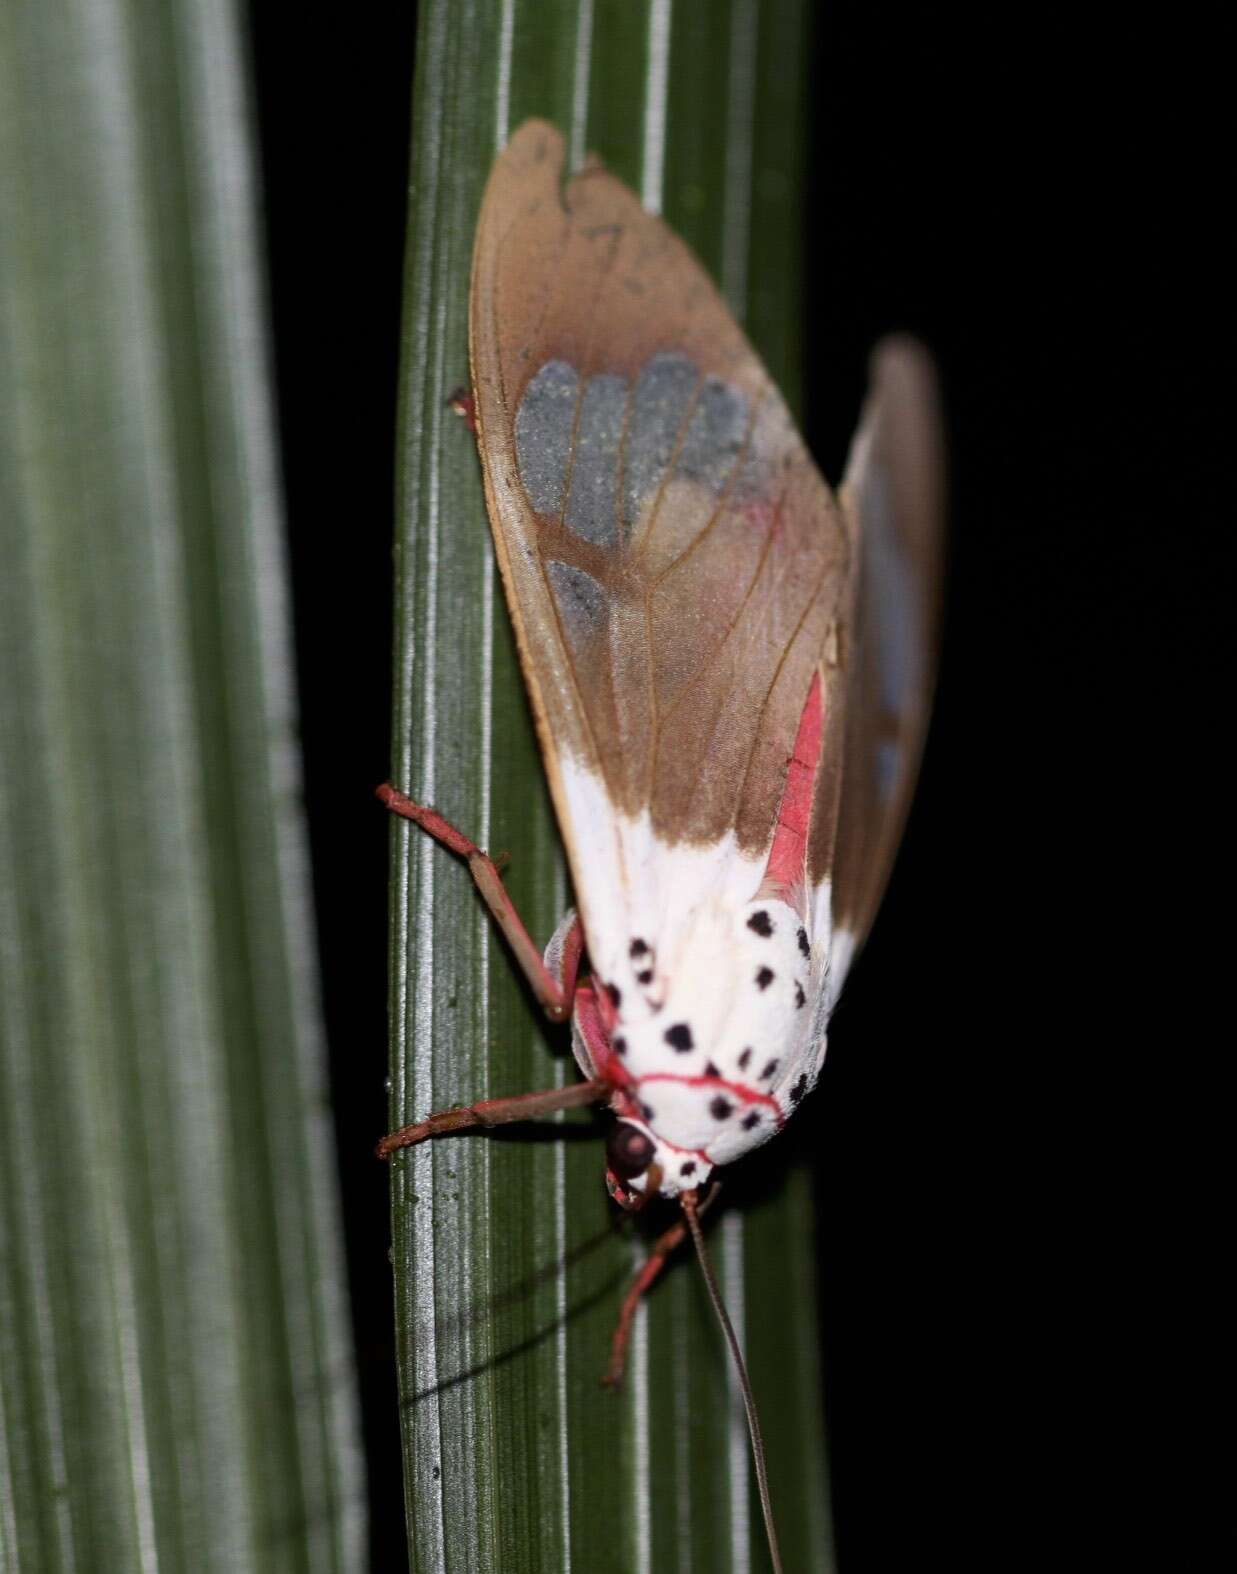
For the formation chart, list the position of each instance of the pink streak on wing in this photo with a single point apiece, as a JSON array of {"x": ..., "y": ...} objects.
[{"x": 788, "y": 855}]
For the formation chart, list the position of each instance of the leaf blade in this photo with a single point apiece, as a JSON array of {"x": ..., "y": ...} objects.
[{"x": 176, "y": 1310}]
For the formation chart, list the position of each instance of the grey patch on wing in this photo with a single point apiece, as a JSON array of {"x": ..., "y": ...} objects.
[
  {"x": 715, "y": 435},
  {"x": 581, "y": 601},
  {"x": 660, "y": 404},
  {"x": 594, "y": 471},
  {"x": 771, "y": 429},
  {"x": 897, "y": 619},
  {"x": 543, "y": 427}
]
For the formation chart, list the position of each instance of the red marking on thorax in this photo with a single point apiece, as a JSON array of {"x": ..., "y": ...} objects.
[
  {"x": 625, "y": 1103},
  {"x": 788, "y": 855},
  {"x": 740, "y": 1090}
]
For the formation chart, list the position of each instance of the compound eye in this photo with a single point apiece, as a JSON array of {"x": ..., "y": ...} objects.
[{"x": 629, "y": 1150}]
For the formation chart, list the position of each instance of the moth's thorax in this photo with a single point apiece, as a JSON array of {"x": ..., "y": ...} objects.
[
  {"x": 712, "y": 1028},
  {"x": 712, "y": 986}
]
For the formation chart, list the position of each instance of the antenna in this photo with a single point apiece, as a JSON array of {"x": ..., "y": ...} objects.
[{"x": 691, "y": 1209}]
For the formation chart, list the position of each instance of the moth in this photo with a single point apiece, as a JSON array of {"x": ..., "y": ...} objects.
[{"x": 730, "y": 670}]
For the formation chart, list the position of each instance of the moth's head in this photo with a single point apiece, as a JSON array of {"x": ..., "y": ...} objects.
[{"x": 639, "y": 1166}]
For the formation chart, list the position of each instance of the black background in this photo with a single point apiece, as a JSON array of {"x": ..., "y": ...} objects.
[{"x": 1014, "y": 1221}]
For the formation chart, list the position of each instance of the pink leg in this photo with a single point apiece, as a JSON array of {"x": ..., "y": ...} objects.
[
  {"x": 555, "y": 996},
  {"x": 494, "y": 1112},
  {"x": 602, "y": 1060},
  {"x": 643, "y": 1281},
  {"x": 640, "y": 1285}
]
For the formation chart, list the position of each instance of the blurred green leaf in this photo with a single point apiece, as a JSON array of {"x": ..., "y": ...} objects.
[
  {"x": 508, "y": 1265},
  {"x": 175, "y": 1367}
]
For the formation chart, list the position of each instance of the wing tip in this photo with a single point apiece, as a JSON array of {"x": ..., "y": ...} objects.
[
  {"x": 903, "y": 405},
  {"x": 902, "y": 361},
  {"x": 529, "y": 168},
  {"x": 533, "y": 157},
  {"x": 534, "y": 141},
  {"x": 536, "y": 155}
]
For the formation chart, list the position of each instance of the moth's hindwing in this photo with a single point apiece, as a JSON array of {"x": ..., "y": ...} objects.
[{"x": 893, "y": 492}]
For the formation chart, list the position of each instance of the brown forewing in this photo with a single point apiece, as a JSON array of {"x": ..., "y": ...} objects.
[{"x": 671, "y": 648}]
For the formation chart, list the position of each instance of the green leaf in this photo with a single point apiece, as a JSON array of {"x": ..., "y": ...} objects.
[
  {"x": 176, "y": 1385},
  {"x": 509, "y": 1266}
]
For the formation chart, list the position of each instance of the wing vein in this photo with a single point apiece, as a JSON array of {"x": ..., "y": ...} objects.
[
  {"x": 671, "y": 466},
  {"x": 777, "y": 672},
  {"x": 711, "y": 656},
  {"x": 722, "y": 502}
]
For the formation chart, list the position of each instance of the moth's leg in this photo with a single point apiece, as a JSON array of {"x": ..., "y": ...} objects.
[
  {"x": 554, "y": 994},
  {"x": 494, "y": 1112},
  {"x": 561, "y": 958},
  {"x": 591, "y": 1042},
  {"x": 653, "y": 1265}
]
